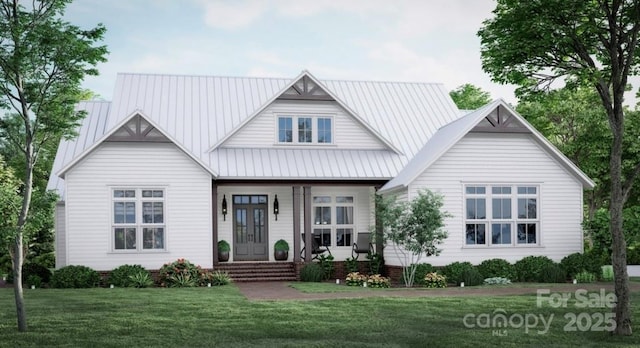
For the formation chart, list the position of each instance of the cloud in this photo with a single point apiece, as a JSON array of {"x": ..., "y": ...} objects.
[{"x": 233, "y": 14}]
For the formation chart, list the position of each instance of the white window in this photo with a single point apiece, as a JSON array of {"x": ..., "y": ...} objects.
[
  {"x": 305, "y": 129},
  {"x": 333, "y": 220},
  {"x": 501, "y": 215},
  {"x": 138, "y": 219}
]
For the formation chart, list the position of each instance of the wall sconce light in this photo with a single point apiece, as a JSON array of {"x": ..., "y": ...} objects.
[
  {"x": 276, "y": 207},
  {"x": 224, "y": 207}
]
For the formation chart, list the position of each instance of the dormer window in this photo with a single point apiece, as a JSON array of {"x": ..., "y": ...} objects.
[{"x": 305, "y": 130}]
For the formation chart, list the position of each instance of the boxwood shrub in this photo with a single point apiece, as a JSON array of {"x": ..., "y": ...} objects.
[
  {"x": 472, "y": 277},
  {"x": 553, "y": 274},
  {"x": 530, "y": 268},
  {"x": 578, "y": 262},
  {"x": 75, "y": 277},
  {"x": 421, "y": 271},
  {"x": 497, "y": 268},
  {"x": 32, "y": 270},
  {"x": 311, "y": 272},
  {"x": 454, "y": 271}
]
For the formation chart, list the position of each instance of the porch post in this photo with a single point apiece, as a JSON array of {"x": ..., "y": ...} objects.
[
  {"x": 379, "y": 232},
  {"x": 307, "y": 224},
  {"x": 296, "y": 224},
  {"x": 214, "y": 220}
]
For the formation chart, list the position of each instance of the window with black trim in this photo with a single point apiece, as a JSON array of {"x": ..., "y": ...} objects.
[{"x": 138, "y": 219}]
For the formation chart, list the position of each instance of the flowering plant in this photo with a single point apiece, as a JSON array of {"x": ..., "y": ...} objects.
[
  {"x": 378, "y": 281},
  {"x": 181, "y": 273},
  {"x": 355, "y": 279},
  {"x": 435, "y": 280}
]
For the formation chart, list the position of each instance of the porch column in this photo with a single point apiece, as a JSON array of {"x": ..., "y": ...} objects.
[
  {"x": 307, "y": 224},
  {"x": 378, "y": 232},
  {"x": 214, "y": 220},
  {"x": 296, "y": 224}
]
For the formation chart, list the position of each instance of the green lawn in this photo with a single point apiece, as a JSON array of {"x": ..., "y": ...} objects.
[{"x": 221, "y": 316}]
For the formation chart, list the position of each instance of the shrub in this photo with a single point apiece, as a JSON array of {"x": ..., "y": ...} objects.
[
  {"x": 633, "y": 255},
  {"x": 326, "y": 264},
  {"x": 472, "y": 277},
  {"x": 219, "y": 278},
  {"x": 553, "y": 274},
  {"x": 181, "y": 273},
  {"x": 121, "y": 275},
  {"x": 578, "y": 262},
  {"x": 34, "y": 280},
  {"x": 376, "y": 263},
  {"x": 75, "y": 277},
  {"x": 529, "y": 269},
  {"x": 585, "y": 277},
  {"x": 453, "y": 271},
  {"x": 351, "y": 265},
  {"x": 32, "y": 269},
  {"x": 311, "y": 272},
  {"x": 141, "y": 279},
  {"x": 497, "y": 281},
  {"x": 435, "y": 280},
  {"x": 377, "y": 281},
  {"x": 497, "y": 268},
  {"x": 607, "y": 273},
  {"x": 421, "y": 270},
  {"x": 223, "y": 245},
  {"x": 355, "y": 279},
  {"x": 281, "y": 245}
]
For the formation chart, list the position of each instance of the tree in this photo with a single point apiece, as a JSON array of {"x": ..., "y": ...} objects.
[
  {"x": 43, "y": 60},
  {"x": 593, "y": 43},
  {"x": 415, "y": 228},
  {"x": 470, "y": 97}
]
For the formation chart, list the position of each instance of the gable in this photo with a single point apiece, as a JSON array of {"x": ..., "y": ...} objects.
[
  {"x": 500, "y": 120},
  {"x": 305, "y": 89},
  {"x": 137, "y": 129}
]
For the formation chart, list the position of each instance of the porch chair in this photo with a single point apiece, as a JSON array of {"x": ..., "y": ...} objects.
[
  {"x": 316, "y": 250},
  {"x": 362, "y": 245}
]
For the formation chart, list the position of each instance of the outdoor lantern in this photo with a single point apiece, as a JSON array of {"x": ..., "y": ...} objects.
[
  {"x": 224, "y": 207},
  {"x": 276, "y": 207}
]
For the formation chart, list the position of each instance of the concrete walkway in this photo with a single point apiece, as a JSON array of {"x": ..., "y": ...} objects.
[{"x": 260, "y": 291}]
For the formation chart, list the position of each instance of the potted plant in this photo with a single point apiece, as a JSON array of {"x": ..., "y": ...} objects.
[
  {"x": 223, "y": 251},
  {"x": 281, "y": 250}
]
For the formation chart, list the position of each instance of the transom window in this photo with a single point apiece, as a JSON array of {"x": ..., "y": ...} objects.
[
  {"x": 305, "y": 129},
  {"x": 501, "y": 215},
  {"x": 138, "y": 219},
  {"x": 333, "y": 220}
]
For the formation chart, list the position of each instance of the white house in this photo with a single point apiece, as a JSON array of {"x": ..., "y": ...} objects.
[{"x": 176, "y": 163}]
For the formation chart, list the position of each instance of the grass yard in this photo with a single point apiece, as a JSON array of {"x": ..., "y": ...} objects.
[{"x": 221, "y": 316}]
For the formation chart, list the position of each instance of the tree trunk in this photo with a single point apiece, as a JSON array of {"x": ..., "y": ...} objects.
[
  {"x": 622, "y": 309},
  {"x": 17, "y": 260}
]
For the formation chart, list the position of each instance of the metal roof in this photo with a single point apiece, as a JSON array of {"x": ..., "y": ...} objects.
[
  {"x": 450, "y": 134},
  {"x": 198, "y": 112}
]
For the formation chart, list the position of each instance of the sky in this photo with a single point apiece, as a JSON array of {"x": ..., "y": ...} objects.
[{"x": 381, "y": 40}]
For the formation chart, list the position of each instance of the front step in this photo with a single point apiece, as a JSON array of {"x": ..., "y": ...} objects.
[{"x": 259, "y": 271}]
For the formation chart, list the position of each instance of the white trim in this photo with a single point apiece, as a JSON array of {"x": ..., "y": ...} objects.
[{"x": 61, "y": 173}]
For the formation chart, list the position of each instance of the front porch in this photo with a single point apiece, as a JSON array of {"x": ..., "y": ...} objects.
[
  {"x": 252, "y": 216},
  {"x": 278, "y": 271}
]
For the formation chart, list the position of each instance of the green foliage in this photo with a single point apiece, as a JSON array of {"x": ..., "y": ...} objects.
[
  {"x": 455, "y": 270},
  {"x": 33, "y": 280},
  {"x": 530, "y": 268},
  {"x": 607, "y": 273},
  {"x": 585, "y": 277},
  {"x": 416, "y": 228},
  {"x": 181, "y": 273},
  {"x": 578, "y": 262},
  {"x": 311, "y": 272},
  {"x": 141, "y": 279},
  {"x": 75, "y": 277},
  {"x": 121, "y": 275},
  {"x": 376, "y": 263},
  {"x": 355, "y": 279},
  {"x": 10, "y": 204},
  {"x": 281, "y": 245},
  {"x": 435, "y": 280},
  {"x": 633, "y": 255},
  {"x": 351, "y": 265},
  {"x": 471, "y": 277},
  {"x": 326, "y": 263},
  {"x": 219, "y": 278},
  {"x": 470, "y": 97},
  {"x": 421, "y": 270},
  {"x": 378, "y": 281},
  {"x": 223, "y": 245},
  {"x": 599, "y": 231},
  {"x": 497, "y": 268},
  {"x": 30, "y": 269},
  {"x": 497, "y": 281},
  {"x": 553, "y": 274}
]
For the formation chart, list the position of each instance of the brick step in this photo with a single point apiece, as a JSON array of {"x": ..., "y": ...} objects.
[
  {"x": 266, "y": 279},
  {"x": 264, "y": 271}
]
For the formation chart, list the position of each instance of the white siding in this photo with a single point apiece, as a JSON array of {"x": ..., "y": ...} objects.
[
  {"x": 188, "y": 204},
  {"x": 60, "y": 240},
  {"x": 283, "y": 227},
  {"x": 347, "y": 132},
  {"x": 504, "y": 159}
]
